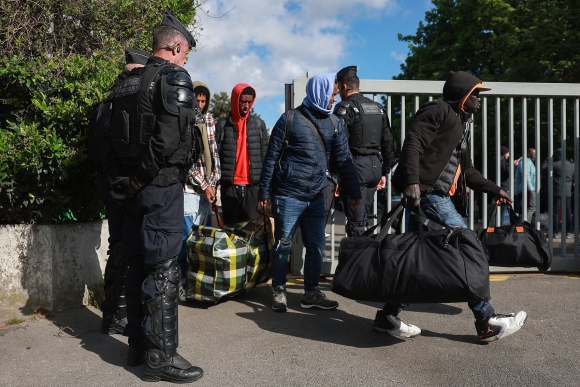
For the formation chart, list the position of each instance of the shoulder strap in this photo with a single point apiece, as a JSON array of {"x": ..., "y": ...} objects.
[
  {"x": 287, "y": 131},
  {"x": 311, "y": 126},
  {"x": 335, "y": 124}
]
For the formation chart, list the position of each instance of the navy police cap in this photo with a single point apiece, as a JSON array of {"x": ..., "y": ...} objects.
[
  {"x": 136, "y": 56},
  {"x": 170, "y": 20},
  {"x": 348, "y": 71}
]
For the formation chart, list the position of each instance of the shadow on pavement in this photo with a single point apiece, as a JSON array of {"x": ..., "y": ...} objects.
[
  {"x": 84, "y": 325},
  {"x": 335, "y": 326}
]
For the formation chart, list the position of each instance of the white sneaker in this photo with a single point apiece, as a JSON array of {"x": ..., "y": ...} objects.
[
  {"x": 183, "y": 290},
  {"x": 394, "y": 326},
  {"x": 499, "y": 326}
]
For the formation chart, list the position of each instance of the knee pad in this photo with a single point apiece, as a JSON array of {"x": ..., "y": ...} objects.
[{"x": 163, "y": 309}]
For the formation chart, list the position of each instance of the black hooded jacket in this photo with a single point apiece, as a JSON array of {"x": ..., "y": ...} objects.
[{"x": 433, "y": 136}]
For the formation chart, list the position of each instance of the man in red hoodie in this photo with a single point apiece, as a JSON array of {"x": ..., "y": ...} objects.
[{"x": 242, "y": 140}]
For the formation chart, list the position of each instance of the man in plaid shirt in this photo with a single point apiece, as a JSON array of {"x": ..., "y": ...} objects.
[{"x": 200, "y": 189}]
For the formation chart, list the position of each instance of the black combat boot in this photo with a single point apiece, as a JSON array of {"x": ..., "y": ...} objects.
[{"x": 162, "y": 362}]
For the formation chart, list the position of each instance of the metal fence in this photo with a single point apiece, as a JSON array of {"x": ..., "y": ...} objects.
[{"x": 527, "y": 109}]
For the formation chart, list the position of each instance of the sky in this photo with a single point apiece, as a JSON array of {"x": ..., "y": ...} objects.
[{"x": 268, "y": 43}]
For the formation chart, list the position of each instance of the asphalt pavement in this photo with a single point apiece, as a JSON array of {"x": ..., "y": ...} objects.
[{"x": 242, "y": 342}]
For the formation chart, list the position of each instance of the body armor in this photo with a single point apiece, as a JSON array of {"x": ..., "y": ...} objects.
[
  {"x": 366, "y": 129},
  {"x": 135, "y": 111}
]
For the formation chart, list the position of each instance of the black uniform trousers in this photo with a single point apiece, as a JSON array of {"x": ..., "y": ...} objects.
[
  {"x": 114, "y": 213},
  {"x": 369, "y": 171},
  {"x": 152, "y": 233},
  {"x": 239, "y": 203}
]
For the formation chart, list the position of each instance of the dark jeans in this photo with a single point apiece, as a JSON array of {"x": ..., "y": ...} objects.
[
  {"x": 557, "y": 207},
  {"x": 369, "y": 171},
  {"x": 239, "y": 203},
  {"x": 289, "y": 213},
  {"x": 440, "y": 209},
  {"x": 152, "y": 234}
]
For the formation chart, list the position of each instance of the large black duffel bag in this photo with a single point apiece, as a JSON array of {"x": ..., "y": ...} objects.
[
  {"x": 445, "y": 265},
  {"x": 518, "y": 244}
]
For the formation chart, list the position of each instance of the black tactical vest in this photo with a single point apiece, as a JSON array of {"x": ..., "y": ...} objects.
[
  {"x": 367, "y": 126},
  {"x": 144, "y": 95}
]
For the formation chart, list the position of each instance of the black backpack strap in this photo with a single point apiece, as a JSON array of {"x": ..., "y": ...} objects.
[
  {"x": 335, "y": 124},
  {"x": 287, "y": 132}
]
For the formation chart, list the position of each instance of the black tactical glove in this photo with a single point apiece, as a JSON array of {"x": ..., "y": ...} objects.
[
  {"x": 124, "y": 188},
  {"x": 411, "y": 196}
]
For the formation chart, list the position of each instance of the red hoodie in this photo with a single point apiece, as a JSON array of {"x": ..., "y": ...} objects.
[{"x": 242, "y": 169}]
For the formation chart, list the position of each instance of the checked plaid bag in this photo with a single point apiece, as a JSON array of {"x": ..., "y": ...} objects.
[{"x": 227, "y": 260}]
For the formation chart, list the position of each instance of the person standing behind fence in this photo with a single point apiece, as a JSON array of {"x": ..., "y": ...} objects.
[
  {"x": 561, "y": 177},
  {"x": 504, "y": 176},
  {"x": 530, "y": 184},
  {"x": 371, "y": 143},
  {"x": 199, "y": 191},
  {"x": 153, "y": 142},
  {"x": 242, "y": 140},
  {"x": 294, "y": 179}
]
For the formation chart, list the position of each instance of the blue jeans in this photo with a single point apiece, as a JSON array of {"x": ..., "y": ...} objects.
[
  {"x": 289, "y": 213},
  {"x": 195, "y": 210},
  {"x": 440, "y": 209}
]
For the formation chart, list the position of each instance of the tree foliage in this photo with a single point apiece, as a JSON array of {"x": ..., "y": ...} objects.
[
  {"x": 57, "y": 60},
  {"x": 497, "y": 40},
  {"x": 220, "y": 105}
]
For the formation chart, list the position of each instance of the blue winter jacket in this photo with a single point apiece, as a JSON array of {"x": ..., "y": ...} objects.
[{"x": 301, "y": 171}]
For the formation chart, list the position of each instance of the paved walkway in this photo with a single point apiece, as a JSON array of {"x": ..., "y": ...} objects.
[{"x": 242, "y": 342}]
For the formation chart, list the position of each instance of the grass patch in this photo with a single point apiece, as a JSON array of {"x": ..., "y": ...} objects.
[{"x": 15, "y": 321}]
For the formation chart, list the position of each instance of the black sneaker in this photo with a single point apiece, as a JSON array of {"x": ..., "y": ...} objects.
[
  {"x": 317, "y": 299},
  {"x": 279, "y": 299},
  {"x": 393, "y": 325},
  {"x": 499, "y": 326}
]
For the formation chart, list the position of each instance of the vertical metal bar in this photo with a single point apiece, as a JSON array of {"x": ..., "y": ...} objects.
[
  {"x": 551, "y": 224},
  {"x": 389, "y": 186},
  {"x": 524, "y": 159},
  {"x": 562, "y": 192},
  {"x": 471, "y": 198},
  {"x": 376, "y": 197},
  {"x": 498, "y": 216},
  {"x": 430, "y": 98},
  {"x": 576, "y": 175},
  {"x": 416, "y": 103},
  {"x": 404, "y": 220},
  {"x": 483, "y": 204},
  {"x": 511, "y": 141},
  {"x": 538, "y": 158}
]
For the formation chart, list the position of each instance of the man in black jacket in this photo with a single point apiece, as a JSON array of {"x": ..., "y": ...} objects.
[
  {"x": 151, "y": 144},
  {"x": 242, "y": 141},
  {"x": 434, "y": 161},
  {"x": 371, "y": 144},
  {"x": 561, "y": 177},
  {"x": 504, "y": 176},
  {"x": 114, "y": 307}
]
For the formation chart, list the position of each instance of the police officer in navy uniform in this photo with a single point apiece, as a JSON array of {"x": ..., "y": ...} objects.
[
  {"x": 152, "y": 143},
  {"x": 371, "y": 144},
  {"x": 114, "y": 307}
]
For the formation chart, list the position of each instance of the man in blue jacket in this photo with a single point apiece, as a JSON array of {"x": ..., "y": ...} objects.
[{"x": 294, "y": 178}]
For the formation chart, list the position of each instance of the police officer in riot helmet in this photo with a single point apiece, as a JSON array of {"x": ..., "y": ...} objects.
[
  {"x": 371, "y": 145},
  {"x": 152, "y": 143},
  {"x": 114, "y": 307}
]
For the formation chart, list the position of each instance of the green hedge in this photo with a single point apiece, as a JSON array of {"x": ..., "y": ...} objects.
[{"x": 57, "y": 61}]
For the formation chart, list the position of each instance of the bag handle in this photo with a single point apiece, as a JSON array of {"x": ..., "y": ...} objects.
[
  {"x": 514, "y": 219},
  {"x": 395, "y": 214}
]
